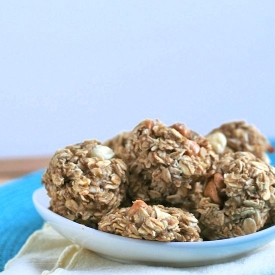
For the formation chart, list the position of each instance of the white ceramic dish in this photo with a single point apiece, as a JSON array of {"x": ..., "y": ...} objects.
[{"x": 129, "y": 250}]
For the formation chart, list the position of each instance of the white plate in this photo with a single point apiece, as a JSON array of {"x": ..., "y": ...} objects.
[{"x": 127, "y": 250}]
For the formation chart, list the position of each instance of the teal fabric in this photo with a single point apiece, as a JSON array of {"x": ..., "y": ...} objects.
[{"x": 19, "y": 218}]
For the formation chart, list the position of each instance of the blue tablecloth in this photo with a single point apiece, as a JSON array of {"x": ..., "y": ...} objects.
[{"x": 19, "y": 218}]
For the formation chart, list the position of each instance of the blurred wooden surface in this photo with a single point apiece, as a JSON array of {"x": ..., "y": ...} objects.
[{"x": 11, "y": 168}]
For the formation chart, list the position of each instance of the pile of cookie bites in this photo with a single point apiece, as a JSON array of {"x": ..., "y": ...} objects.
[{"x": 167, "y": 183}]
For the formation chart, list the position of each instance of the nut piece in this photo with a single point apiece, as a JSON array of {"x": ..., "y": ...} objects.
[
  {"x": 240, "y": 137},
  {"x": 162, "y": 159},
  {"x": 238, "y": 196},
  {"x": 84, "y": 187},
  {"x": 102, "y": 151},
  {"x": 218, "y": 141},
  {"x": 158, "y": 223},
  {"x": 214, "y": 188}
]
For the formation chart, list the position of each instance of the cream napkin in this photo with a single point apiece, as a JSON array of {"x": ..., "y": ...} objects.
[{"x": 47, "y": 252}]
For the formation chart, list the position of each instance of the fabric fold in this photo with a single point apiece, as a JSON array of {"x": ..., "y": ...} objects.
[{"x": 46, "y": 252}]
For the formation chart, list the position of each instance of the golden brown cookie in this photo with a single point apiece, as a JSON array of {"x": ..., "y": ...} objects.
[
  {"x": 165, "y": 162},
  {"x": 85, "y": 182},
  {"x": 239, "y": 136},
  {"x": 238, "y": 196},
  {"x": 158, "y": 223}
]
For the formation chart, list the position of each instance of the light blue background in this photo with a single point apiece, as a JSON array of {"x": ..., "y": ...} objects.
[{"x": 75, "y": 70}]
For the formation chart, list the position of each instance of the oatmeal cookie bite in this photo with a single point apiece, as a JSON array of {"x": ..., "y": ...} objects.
[
  {"x": 161, "y": 159},
  {"x": 239, "y": 136},
  {"x": 238, "y": 196},
  {"x": 155, "y": 223},
  {"x": 85, "y": 182}
]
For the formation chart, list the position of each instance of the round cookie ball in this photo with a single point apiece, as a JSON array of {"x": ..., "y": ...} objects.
[
  {"x": 85, "y": 182},
  {"x": 161, "y": 159},
  {"x": 239, "y": 136},
  {"x": 238, "y": 196},
  {"x": 155, "y": 223}
]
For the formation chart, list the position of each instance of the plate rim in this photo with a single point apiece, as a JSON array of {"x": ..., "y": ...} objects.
[
  {"x": 250, "y": 240},
  {"x": 210, "y": 243}
]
